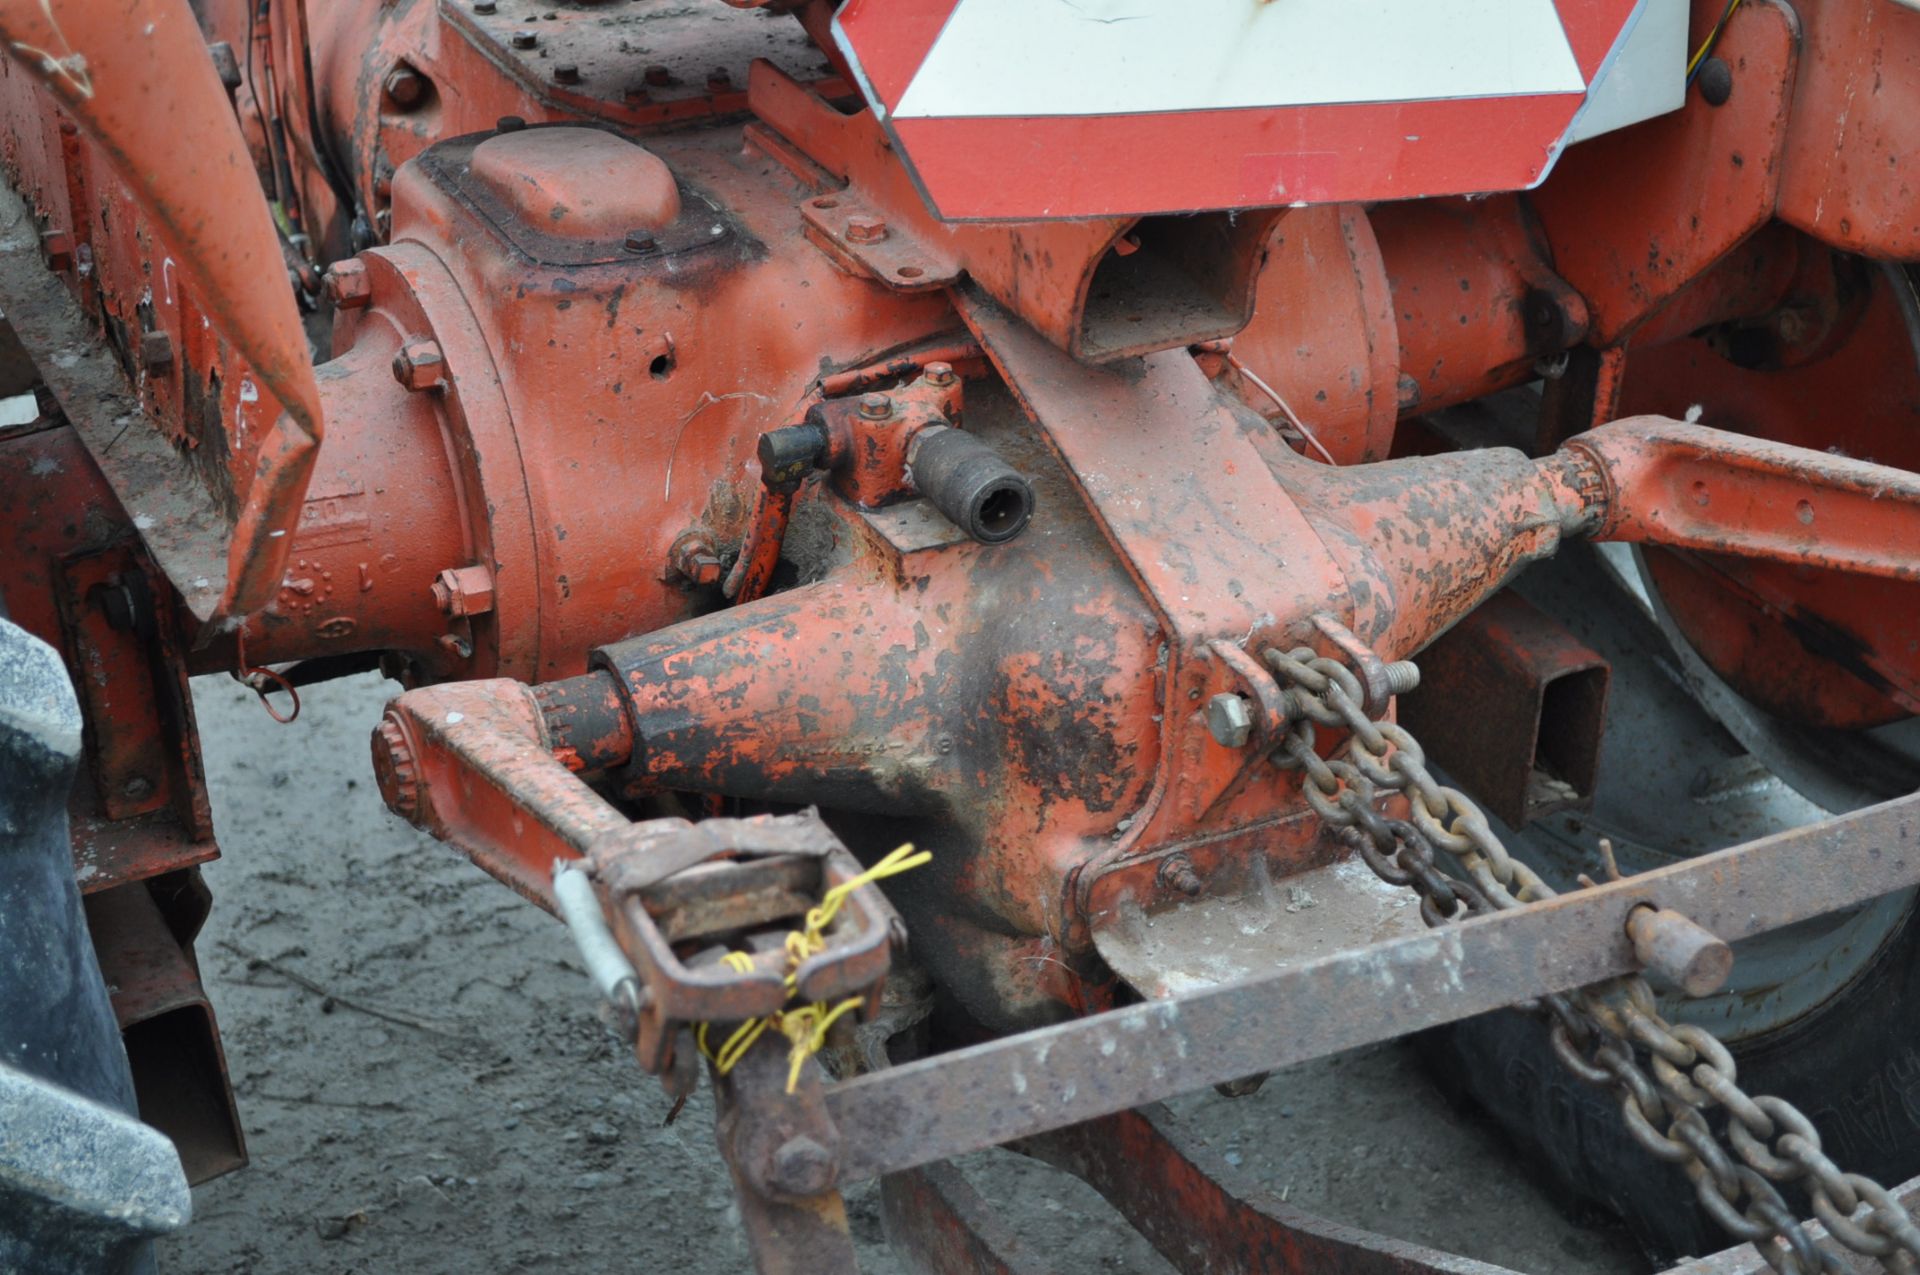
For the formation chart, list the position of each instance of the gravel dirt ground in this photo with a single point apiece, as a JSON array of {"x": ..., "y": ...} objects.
[{"x": 425, "y": 1087}]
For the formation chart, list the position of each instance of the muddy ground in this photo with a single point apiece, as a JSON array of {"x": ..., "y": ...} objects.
[{"x": 425, "y": 1087}]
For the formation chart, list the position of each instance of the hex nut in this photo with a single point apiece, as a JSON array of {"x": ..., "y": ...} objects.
[
  {"x": 348, "y": 285},
  {"x": 420, "y": 366},
  {"x": 524, "y": 39},
  {"x": 1176, "y": 873},
  {"x": 464, "y": 591},
  {"x": 156, "y": 352},
  {"x": 693, "y": 559},
  {"x": 405, "y": 87},
  {"x": 864, "y": 229},
  {"x": 57, "y": 245},
  {"x": 1228, "y": 720}
]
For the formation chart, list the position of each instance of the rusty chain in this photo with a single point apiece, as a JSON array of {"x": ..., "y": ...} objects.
[{"x": 1596, "y": 1031}]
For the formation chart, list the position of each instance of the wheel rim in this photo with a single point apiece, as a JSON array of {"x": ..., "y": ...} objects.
[{"x": 1689, "y": 768}]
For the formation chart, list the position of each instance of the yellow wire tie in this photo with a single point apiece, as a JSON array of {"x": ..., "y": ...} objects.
[{"x": 805, "y": 1026}]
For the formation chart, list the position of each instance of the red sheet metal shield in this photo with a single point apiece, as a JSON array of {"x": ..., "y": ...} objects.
[{"x": 1083, "y": 108}]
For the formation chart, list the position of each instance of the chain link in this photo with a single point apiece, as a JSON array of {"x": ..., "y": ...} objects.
[{"x": 1599, "y": 1032}]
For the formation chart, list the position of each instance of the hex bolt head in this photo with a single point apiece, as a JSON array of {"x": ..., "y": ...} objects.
[
  {"x": 801, "y": 1167},
  {"x": 156, "y": 352},
  {"x": 484, "y": 8},
  {"x": 1229, "y": 721},
  {"x": 718, "y": 79},
  {"x": 566, "y": 73},
  {"x": 658, "y": 76},
  {"x": 863, "y": 229},
  {"x": 693, "y": 559},
  {"x": 524, "y": 39},
  {"x": 419, "y": 365},
  {"x": 405, "y": 87},
  {"x": 940, "y": 375},
  {"x": 876, "y": 407},
  {"x": 348, "y": 285},
  {"x": 641, "y": 241}
]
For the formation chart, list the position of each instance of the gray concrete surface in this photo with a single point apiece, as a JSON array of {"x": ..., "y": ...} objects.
[{"x": 425, "y": 1088}]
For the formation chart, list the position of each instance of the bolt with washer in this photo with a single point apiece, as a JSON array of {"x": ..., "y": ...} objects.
[
  {"x": 464, "y": 591},
  {"x": 876, "y": 407}
]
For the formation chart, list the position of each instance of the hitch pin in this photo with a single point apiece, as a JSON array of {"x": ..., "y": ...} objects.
[
  {"x": 607, "y": 965},
  {"x": 1670, "y": 943},
  {"x": 1686, "y": 954}
]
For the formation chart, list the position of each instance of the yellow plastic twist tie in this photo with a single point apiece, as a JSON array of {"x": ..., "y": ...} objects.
[{"x": 805, "y": 1026}]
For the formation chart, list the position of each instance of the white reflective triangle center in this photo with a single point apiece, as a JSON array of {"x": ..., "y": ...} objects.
[{"x": 1129, "y": 57}]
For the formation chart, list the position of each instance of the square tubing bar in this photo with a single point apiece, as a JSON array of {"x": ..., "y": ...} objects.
[{"x": 946, "y": 1105}]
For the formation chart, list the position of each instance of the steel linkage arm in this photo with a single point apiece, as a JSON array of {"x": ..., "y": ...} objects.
[
  {"x": 1017, "y": 1086},
  {"x": 479, "y": 764},
  {"x": 137, "y": 78},
  {"x": 1651, "y": 480}
]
